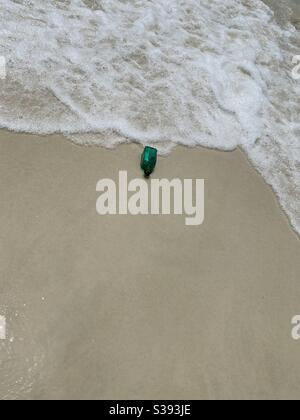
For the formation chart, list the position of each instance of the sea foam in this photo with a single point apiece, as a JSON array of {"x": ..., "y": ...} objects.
[{"x": 164, "y": 72}]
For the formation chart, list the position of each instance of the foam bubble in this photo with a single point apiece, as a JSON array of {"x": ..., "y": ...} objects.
[{"x": 192, "y": 72}]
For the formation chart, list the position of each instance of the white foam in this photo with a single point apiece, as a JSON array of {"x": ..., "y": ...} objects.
[{"x": 194, "y": 72}]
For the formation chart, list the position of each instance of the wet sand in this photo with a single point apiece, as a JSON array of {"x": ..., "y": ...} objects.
[
  {"x": 285, "y": 10},
  {"x": 124, "y": 307}
]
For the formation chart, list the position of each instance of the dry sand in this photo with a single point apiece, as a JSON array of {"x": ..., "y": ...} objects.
[{"x": 130, "y": 307}]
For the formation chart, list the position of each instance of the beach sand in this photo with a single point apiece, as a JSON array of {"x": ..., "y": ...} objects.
[
  {"x": 124, "y": 307},
  {"x": 295, "y": 6}
]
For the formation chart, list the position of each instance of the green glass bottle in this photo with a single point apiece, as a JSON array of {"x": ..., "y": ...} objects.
[{"x": 149, "y": 159}]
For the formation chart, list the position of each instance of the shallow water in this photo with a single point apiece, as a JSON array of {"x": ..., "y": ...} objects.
[{"x": 210, "y": 73}]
